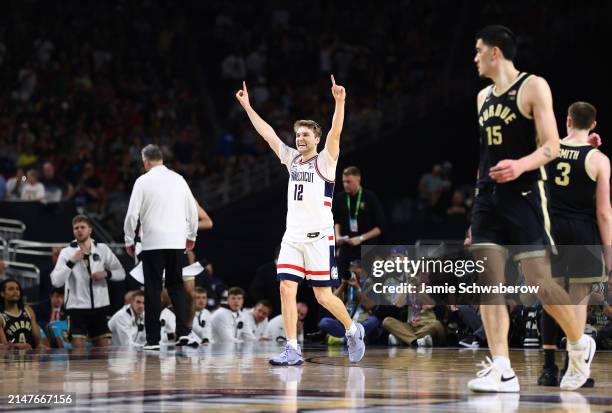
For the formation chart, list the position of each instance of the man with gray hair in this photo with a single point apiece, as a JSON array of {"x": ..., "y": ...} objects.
[{"x": 167, "y": 210}]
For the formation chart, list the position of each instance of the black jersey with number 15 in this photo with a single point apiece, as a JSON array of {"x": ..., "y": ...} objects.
[{"x": 506, "y": 132}]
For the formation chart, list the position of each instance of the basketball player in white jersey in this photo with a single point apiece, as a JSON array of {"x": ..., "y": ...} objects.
[{"x": 307, "y": 250}]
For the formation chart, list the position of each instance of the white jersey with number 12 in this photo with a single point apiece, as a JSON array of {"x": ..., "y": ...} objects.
[{"x": 309, "y": 195}]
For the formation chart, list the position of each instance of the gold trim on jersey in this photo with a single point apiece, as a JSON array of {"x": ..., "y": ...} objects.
[
  {"x": 7, "y": 312},
  {"x": 575, "y": 145},
  {"x": 529, "y": 254},
  {"x": 544, "y": 204},
  {"x": 543, "y": 173},
  {"x": 518, "y": 99},
  {"x": 586, "y": 164},
  {"x": 520, "y": 76},
  {"x": 488, "y": 88},
  {"x": 489, "y": 246},
  {"x": 590, "y": 280}
]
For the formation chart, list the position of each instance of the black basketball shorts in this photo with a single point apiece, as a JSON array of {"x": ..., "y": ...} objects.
[
  {"x": 514, "y": 217},
  {"x": 88, "y": 323},
  {"x": 580, "y": 256}
]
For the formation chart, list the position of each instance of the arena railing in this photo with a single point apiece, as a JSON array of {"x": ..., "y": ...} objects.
[
  {"x": 28, "y": 276},
  {"x": 11, "y": 228},
  {"x": 3, "y": 249},
  {"x": 32, "y": 248}
]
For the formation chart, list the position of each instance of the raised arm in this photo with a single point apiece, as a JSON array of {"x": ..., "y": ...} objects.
[
  {"x": 537, "y": 98},
  {"x": 262, "y": 127},
  {"x": 332, "y": 143}
]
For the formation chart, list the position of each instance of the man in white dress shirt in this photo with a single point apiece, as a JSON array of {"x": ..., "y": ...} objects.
[
  {"x": 127, "y": 325},
  {"x": 276, "y": 328},
  {"x": 258, "y": 318},
  {"x": 167, "y": 210},
  {"x": 201, "y": 332},
  {"x": 230, "y": 324}
]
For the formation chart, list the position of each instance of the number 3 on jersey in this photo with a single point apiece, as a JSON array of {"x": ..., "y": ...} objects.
[
  {"x": 565, "y": 169},
  {"x": 297, "y": 192}
]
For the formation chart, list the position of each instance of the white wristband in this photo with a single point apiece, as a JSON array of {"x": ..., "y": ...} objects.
[{"x": 361, "y": 238}]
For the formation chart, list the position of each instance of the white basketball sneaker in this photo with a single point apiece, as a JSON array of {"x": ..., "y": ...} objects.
[
  {"x": 579, "y": 366},
  {"x": 492, "y": 379}
]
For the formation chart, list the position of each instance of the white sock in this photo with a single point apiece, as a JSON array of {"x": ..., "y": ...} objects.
[
  {"x": 352, "y": 329},
  {"x": 293, "y": 344},
  {"x": 502, "y": 362},
  {"x": 580, "y": 344}
]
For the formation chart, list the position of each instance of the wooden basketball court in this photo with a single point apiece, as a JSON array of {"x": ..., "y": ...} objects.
[{"x": 238, "y": 378}]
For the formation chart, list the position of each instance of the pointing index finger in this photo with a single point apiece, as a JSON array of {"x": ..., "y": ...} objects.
[
  {"x": 244, "y": 85},
  {"x": 333, "y": 80}
]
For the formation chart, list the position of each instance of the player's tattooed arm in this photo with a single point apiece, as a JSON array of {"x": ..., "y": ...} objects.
[{"x": 538, "y": 97}]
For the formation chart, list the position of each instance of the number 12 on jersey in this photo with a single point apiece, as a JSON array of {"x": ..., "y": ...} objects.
[{"x": 298, "y": 192}]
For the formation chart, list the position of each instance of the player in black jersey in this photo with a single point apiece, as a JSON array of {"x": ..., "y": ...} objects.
[
  {"x": 18, "y": 327},
  {"x": 518, "y": 136},
  {"x": 582, "y": 223}
]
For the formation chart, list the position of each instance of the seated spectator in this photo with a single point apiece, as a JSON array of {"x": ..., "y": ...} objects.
[
  {"x": 201, "y": 330},
  {"x": 51, "y": 309},
  {"x": 44, "y": 340},
  {"x": 127, "y": 324},
  {"x": 354, "y": 293},
  {"x": 212, "y": 283},
  {"x": 14, "y": 185},
  {"x": 56, "y": 189},
  {"x": 276, "y": 327},
  {"x": 457, "y": 204},
  {"x": 89, "y": 191},
  {"x": 32, "y": 190},
  {"x": 421, "y": 329},
  {"x": 432, "y": 185},
  {"x": 471, "y": 319},
  {"x": 228, "y": 323},
  {"x": 18, "y": 326},
  {"x": 59, "y": 334},
  {"x": 600, "y": 319},
  {"x": 258, "y": 318}
]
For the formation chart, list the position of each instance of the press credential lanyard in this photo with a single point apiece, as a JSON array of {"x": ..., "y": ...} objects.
[{"x": 353, "y": 220}]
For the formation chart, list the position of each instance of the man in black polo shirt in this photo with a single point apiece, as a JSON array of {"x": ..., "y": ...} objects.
[{"x": 358, "y": 219}]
